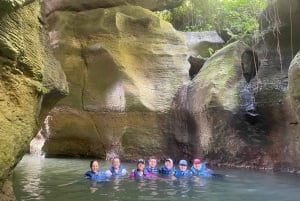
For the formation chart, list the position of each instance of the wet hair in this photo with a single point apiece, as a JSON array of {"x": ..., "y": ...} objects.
[
  {"x": 91, "y": 163},
  {"x": 152, "y": 157},
  {"x": 141, "y": 161},
  {"x": 115, "y": 158}
]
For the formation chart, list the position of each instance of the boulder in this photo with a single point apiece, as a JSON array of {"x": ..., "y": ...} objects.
[
  {"x": 124, "y": 66},
  {"x": 290, "y": 128},
  {"x": 203, "y": 44},
  {"x": 209, "y": 119},
  {"x": 294, "y": 83}
]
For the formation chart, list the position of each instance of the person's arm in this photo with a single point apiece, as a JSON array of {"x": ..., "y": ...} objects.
[
  {"x": 131, "y": 176},
  {"x": 124, "y": 172},
  {"x": 88, "y": 175},
  {"x": 108, "y": 173}
]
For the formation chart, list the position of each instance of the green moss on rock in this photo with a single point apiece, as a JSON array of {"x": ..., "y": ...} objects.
[
  {"x": 22, "y": 87},
  {"x": 218, "y": 79}
]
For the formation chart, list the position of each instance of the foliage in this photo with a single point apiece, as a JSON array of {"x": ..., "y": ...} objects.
[{"x": 238, "y": 17}]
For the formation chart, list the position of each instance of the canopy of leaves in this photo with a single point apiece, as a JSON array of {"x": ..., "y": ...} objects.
[{"x": 237, "y": 16}]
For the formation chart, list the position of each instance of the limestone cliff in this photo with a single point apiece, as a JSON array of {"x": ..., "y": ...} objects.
[
  {"x": 28, "y": 73},
  {"x": 124, "y": 66}
]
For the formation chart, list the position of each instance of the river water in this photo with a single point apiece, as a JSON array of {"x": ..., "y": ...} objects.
[{"x": 49, "y": 179}]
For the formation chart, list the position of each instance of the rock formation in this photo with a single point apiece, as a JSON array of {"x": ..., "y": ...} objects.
[
  {"x": 202, "y": 44},
  {"x": 129, "y": 91},
  {"x": 210, "y": 121},
  {"x": 81, "y": 5},
  {"x": 276, "y": 81},
  {"x": 220, "y": 117},
  {"x": 28, "y": 75},
  {"x": 124, "y": 66}
]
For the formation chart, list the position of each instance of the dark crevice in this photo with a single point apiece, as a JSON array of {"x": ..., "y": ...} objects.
[
  {"x": 250, "y": 64},
  {"x": 196, "y": 65}
]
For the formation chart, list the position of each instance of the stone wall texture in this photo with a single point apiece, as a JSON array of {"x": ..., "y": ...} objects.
[{"x": 28, "y": 74}]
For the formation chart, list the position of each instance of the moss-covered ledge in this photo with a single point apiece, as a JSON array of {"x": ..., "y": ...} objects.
[{"x": 28, "y": 74}]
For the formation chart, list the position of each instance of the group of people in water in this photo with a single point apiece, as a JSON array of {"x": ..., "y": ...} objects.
[{"x": 151, "y": 170}]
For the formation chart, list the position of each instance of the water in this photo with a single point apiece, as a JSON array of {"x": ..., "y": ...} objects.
[{"x": 37, "y": 178}]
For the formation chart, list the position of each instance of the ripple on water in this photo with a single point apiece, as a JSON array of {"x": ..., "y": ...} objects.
[{"x": 61, "y": 179}]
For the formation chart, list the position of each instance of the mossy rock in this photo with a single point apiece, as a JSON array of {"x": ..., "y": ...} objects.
[{"x": 217, "y": 81}]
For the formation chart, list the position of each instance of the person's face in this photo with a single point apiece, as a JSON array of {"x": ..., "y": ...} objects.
[
  {"x": 141, "y": 166},
  {"x": 182, "y": 168},
  {"x": 95, "y": 167},
  {"x": 197, "y": 166},
  {"x": 152, "y": 163},
  {"x": 168, "y": 164},
  {"x": 116, "y": 163}
]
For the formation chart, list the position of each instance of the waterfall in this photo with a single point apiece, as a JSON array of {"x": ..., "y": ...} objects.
[
  {"x": 248, "y": 100},
  {"x": 37, "y": 143}
]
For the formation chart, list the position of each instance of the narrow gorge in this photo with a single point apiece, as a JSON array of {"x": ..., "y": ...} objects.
[{"x": 110, "y": 78}]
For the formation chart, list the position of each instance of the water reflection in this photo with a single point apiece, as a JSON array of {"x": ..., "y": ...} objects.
[
  {"x": 183, "y": 186},
  {"x": 116, "y": 183},
  {"x": 153, "y": 187},
  {"x": 32, "y": 180},
  {"x": 198, "y": 182}
]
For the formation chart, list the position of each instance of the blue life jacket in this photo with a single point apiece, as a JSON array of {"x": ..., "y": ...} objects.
[
  {"x": 95, "y": 177},
  {"x": 179, "y": 173},
  {"x": 152, "y": 170},
  {"x": 118, "y": 173},
  {"x": 203, "y": 172},
  {"x": 166, "y": 172},
  {"x": 137, "y": 176}
]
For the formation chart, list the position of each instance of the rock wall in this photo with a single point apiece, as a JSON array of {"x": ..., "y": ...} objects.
[
  {"x": 219, "y": 115},
  {"x": 276, "y": 81},
  {"x": 211, "y": 122},
  {"x": 212, "y": 116},
  {"x": 82, "y": 5},
  {"x": 27, "y": 74},
  {"x": 127, "y": 72},
  {"x": 124, "y": 66}
]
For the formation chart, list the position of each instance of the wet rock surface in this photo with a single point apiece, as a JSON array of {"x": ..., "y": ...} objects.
[
  {"x": 28, "y": 74},
  {"x": 124, "y": 66}
]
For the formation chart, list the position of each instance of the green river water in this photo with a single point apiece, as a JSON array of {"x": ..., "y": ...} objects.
[{"x": 53, "y": 179}]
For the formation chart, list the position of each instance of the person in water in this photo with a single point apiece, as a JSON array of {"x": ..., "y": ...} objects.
[
  {"x": 183, "y": 170},
  {"x": 94, "y": 174},
  {"x": 116, "y": 170},
  {"x": 168, "y": 168},
  {"x": 140, "y": 172},
  {"x": 199, "y": 169},
  {"x": 151, "y": 168}
]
